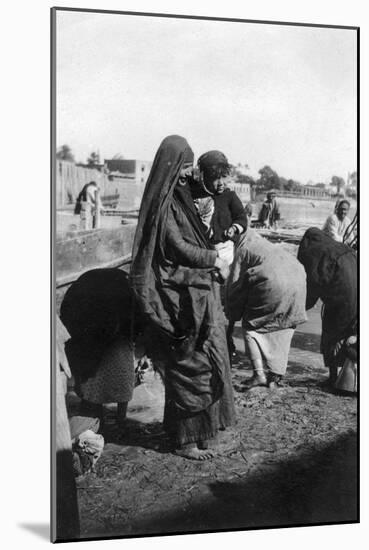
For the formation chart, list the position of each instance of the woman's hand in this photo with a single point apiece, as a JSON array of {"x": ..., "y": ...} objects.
[{"x": 222, "y": 267}]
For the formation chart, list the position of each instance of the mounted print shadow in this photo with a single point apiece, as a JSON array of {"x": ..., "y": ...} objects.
[{"x": 204, "y": 239}]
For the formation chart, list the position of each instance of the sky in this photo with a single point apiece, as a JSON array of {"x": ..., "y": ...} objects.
[{"x": 263, "y": 94}]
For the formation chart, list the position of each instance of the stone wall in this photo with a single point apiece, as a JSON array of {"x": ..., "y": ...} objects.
[{"x": 70, "y": 179}]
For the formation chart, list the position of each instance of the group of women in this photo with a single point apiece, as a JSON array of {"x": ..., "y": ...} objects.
[{"x": 174, "y": 288}]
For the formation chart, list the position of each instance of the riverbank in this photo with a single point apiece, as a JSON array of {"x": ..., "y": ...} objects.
[
  {"x": 301, "y": 214},
  {"x": 296, "y": 213}
]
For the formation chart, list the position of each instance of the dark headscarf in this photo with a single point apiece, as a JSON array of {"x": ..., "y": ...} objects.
[
  {"x": 212, "y": 165},
  {"x": 95, "y": 310},
  {"x": 179, "y": 302},
  {"x": 212, "y": 159},
  {"x": 148, "y": 248}
]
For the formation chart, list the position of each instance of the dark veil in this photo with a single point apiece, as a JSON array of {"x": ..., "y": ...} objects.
[
  {"x": 159, "y": 193},
  {"x": 180, "y": 302}
]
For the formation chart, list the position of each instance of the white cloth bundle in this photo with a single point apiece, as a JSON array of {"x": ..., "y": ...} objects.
[
  {"x": 225, "y": 251},
  {"x": 91, "y": 444}
]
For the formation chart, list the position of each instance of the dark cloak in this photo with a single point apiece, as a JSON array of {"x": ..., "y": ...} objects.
[
  {"x": 331, "y": 271},
  {"x": 176, "y": 290},
  {"x": 96, "y": 309}
]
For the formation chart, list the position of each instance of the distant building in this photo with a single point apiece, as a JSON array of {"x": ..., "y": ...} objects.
[
  {"x": 99, "y": 167},
  {"x": 241, "y": 189},
  {"x": 314, "y": 192},
  {"x": 129, "y": 169}
]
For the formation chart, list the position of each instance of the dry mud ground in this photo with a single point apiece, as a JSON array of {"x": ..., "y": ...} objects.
[{"x": 290, "y": 459}]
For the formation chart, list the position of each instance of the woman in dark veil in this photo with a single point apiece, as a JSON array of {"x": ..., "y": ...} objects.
[
  {"x": 175, "y": 277},
  {"x": 331, "y": 275}
]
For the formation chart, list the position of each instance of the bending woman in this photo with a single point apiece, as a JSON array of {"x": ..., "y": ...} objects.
[
  {"x": 267, "y": 290},
  {"x": 331, "y": 270},
  {"x": 97, "y": 311},
  {"x": 174, "y": 276}
]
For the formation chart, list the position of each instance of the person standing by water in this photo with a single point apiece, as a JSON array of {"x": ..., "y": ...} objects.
[
  {"x": 175, "y": 278},
  {"x": 338, "y": 222},
  {"x": 269, "y": 214},
  {"x": 249, "y": 211},
  {"x": 87, "y": 204}
]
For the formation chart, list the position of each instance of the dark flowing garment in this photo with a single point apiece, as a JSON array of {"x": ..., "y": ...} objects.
[
  {"x": 97, "y": 311},
  {"x": 174, "y": 282},
  {"x": 331, "y": 270}
]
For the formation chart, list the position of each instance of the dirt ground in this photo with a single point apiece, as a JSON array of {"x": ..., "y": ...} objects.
[{"x": 290, "y": 459}]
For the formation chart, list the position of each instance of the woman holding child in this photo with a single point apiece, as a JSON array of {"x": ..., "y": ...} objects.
[{"x": 175, "y": 277}]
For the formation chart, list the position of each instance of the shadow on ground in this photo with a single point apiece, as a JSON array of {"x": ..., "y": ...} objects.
[
  {"x": 136, "y": 434},
  {"x": 317, "y": 487}
]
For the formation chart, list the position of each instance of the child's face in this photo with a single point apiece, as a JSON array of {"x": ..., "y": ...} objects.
[{"x": 217, "y": 186}]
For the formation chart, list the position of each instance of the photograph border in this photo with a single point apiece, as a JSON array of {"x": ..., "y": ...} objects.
[{"x": 53, "y": 126}]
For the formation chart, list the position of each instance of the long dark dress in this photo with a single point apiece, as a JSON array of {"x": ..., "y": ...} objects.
[
  {"x": 174, "y": 281},
  {"x": 331, "y": 270}
]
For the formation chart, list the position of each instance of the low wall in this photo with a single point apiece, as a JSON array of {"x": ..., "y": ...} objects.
[
  {"x": 92, "y": 249},
  {"x": 70, "y": 179}
]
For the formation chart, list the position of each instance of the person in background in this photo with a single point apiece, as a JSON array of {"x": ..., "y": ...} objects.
[
  {"x": 175, "y": 278},
  {"x": 88, "y": 201},
  {"x": 222, "y": 211},
  {"x": 338, "y": 222},
  {"x": 269, "y": 214},
  {"x": 266, "y": 289},
  {"x": 248, "y": 211}
]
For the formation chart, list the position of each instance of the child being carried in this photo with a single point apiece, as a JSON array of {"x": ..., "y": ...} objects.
[{"x": 221, "y": 211}]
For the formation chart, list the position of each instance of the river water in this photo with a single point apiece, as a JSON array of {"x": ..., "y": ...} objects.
[
  {"x": 295, "y": 214},
  {"x": 304, "y": 213}
]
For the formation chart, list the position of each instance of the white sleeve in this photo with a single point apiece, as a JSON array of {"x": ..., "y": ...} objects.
[
  {"x": 331, "y": 228},
  {"x": 239, "y": 228}
]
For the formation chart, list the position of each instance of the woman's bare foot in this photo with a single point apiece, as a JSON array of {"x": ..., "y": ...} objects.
[
  {"x": 208, "y": 443},
  {"x": 255, "y": 381},
  {"x": 194, "y": 453}
]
